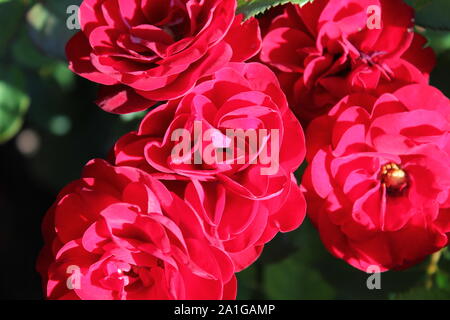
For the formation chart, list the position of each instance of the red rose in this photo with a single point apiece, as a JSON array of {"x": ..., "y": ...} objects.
[
  {"x": 120, "y": 234},
  {"x": 328, "y": 49},
  {"x": 241, "y": 226},
  {"x": 146, "y": 51},
  {"x": 235, "y": 127},
  {"x": 379, "y": 176},
  {"x": 234, "y": 136}
]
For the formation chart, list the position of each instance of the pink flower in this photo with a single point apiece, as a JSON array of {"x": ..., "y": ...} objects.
[
  {"x": 328, "y": 49},
  {"x": 147, "y": 51},
  {"x": 379, "y": 176},
  {"x": 118, "y": 233}
]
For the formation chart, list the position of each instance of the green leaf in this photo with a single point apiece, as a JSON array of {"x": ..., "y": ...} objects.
[
  {"x": 248, "y": 283},
  {"x": 251, "y": 8},
  {"x": 443, "y": 280},
  {"x": 438, "y": 40},
  {"x": 433, "y": 14},
  {"x": 292, "y": 279},
  {"x": 133, "y": 116},
  {"x": 418, "y": 4},
  {"x": 14, "y": 103}
]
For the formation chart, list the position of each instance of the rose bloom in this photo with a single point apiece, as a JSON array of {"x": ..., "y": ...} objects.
[
  {"x": 241, "y": 226},
  {"x": 328, "y": 49},
  {"x": 118, "y": 233},
  {"x": 147, "y": 51},
  {"x": 379, "y": 176},
  {"x": 244, "y": 192}
]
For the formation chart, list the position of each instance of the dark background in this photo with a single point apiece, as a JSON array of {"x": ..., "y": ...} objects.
[{"x": 63, "y": 129}]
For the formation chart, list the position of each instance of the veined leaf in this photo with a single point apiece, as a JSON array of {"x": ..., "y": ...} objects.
[{"x": 251, "y": 8}]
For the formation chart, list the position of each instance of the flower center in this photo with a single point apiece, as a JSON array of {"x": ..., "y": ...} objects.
[
  {"x": 394, "y": 178},
  {"x": 371, "y": 58}
]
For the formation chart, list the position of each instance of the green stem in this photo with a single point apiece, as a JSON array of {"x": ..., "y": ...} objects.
[{"x": 433, "y": 268}]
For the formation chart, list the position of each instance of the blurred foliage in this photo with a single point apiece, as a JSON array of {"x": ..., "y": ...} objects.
[
  {"x": 64, "y": 121},
  {"x": 432, "y": 14},
  {"x": 423, "y": 294},
  {"x": 48, "y": 26},
  {"x": 63, "y": 129},
  {"x": 14, "y": 101}
]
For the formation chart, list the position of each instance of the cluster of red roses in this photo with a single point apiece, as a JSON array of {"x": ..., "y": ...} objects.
[
  {"x": 378, "y": 145},
  {"x": 145, "y": 226}
]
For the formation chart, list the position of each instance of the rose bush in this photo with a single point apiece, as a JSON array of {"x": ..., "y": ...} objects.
[
  {"x": 328, "y": 49},
  {"x": 207, "y": 180},
  {"x": 228, "y": 171},
  {"x": 379, "y": 176},
  {"x": 147, "y": 51},
  {"x": 128, "y": 237}
]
